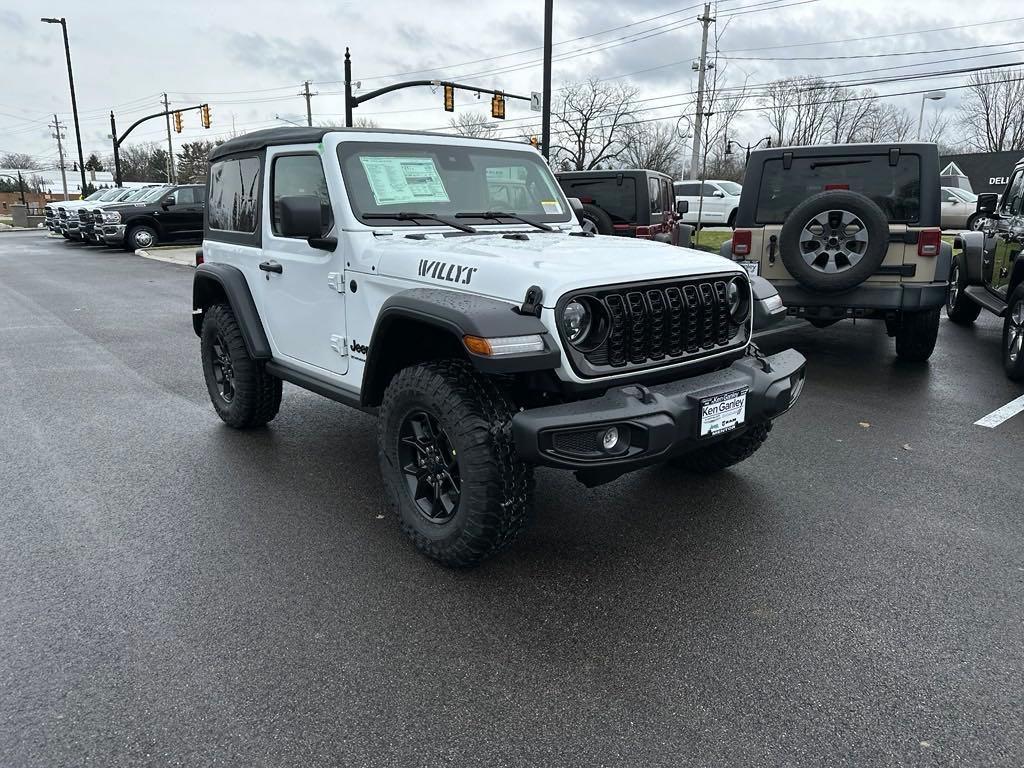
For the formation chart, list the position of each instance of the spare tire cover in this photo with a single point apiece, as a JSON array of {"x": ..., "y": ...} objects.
[{"x": 834, "y": 241}]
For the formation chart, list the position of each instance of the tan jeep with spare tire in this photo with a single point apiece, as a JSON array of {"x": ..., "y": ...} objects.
[{"x": 849, "y": 231}]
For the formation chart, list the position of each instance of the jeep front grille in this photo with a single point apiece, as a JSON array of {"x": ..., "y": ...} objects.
[{"x": 658, "y": 324}]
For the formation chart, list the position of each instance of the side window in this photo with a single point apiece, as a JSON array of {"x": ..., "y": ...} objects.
[
  {"x": 294, "y": 175},
  {"x": 655, "y": 187},
  {"x": 184, "y": 196},
  {"x": 1012, "y": 199},
  {"x": 708, "y": 190},
  {"x": 667, "y": 198},
  {"x": 686, "y": 190},
  {"x": 234, "y": 194},
  {"x": 948, "y": 197}
]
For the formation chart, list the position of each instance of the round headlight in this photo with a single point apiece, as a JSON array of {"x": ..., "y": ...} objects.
[
  {"x": 575, "y": 321},
  {"x": 738, "y": 295}
]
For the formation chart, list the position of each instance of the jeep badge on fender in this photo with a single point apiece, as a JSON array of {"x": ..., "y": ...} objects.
[{"x": 495, "y": 335}]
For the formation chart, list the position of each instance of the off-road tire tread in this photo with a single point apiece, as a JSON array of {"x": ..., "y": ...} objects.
[
  {"x": 965, "y": 311},
  {"x": 483, "y": 414},
  {"x": 257, "y": 397},
  {"x": 719, "y": 456},
  {"x": 916, "y": 334}
]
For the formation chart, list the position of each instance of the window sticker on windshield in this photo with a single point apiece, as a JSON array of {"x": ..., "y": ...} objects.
[
  {"x": 395, "y": 180},
  {"x": 551, "y": 206}
]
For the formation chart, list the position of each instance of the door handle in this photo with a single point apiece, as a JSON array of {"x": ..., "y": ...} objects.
[{"x": 272, "y": 266}]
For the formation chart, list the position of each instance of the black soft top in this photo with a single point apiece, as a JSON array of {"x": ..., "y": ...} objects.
[{"x": 268, "y": 137}]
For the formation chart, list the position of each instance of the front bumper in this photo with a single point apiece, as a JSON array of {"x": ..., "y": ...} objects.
[
  {"x": 658, "y": 422},
  {"x": 113, "y": 234}
]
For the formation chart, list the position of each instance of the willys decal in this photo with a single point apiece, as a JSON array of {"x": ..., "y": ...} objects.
[{"x": 452, "y": 273}]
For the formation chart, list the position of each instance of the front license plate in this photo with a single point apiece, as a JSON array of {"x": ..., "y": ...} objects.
[
  {"x": 753, "y": 267},
  {"x": 722, "y": 413}
]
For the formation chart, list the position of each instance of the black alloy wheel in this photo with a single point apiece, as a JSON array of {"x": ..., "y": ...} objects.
[
  {"x": 430, "y": 467},
  {"x": 223, "y": 370}
]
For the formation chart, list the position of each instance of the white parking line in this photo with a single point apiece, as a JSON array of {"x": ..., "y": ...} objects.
[{"x": 999, "y": 415}]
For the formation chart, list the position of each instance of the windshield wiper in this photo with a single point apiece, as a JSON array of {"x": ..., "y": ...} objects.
[
  {"x": 503, "y": 215},
  {"x": 414, "y": 216}
]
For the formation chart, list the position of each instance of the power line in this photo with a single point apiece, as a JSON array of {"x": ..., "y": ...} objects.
[{"x": 870, "y": 55}]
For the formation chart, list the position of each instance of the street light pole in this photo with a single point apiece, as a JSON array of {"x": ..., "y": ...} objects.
[
  {"x": 545, "y": 130},
  {"x": 74, "y": 102},
  {"x": 930, "y": 96}
]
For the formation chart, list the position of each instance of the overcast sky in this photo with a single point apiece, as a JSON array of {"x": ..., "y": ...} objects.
[{"x": 248, "y": 60}]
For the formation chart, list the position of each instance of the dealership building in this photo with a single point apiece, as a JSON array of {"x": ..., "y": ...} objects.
[{"x": 979, "y": 171}]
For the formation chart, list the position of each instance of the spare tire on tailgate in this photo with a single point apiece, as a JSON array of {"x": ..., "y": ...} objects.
[{"x": 834, "y": 241}]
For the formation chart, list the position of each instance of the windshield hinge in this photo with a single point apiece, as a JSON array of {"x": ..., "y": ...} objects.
[{"x": 336, "y": 281}]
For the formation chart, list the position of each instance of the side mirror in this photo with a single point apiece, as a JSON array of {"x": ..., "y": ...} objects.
[
  {"x": 167, "y": 201},
  {"x": 719, "y": 193},
  {"x": 682, "y": 207},
  {"x": 300, "y": 216},
  {"x": 988, "y": 202}
]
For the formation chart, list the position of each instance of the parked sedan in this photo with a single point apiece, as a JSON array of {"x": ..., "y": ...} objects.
[{"x": 959, "y": 209}]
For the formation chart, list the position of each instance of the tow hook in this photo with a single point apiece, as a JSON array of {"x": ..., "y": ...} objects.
[
  {"x": 643, "y": 394},
  {"x": 761, "y": 357}
]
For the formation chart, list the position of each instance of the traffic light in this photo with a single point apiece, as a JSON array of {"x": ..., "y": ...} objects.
[
  {"x": 498, "y": 106},
  {"x": 177, "y": 122},
  {"x": 204, "y": 115},
  {"x": 449, "y": 98}
]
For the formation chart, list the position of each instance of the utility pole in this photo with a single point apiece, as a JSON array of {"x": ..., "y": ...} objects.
[
  {"x": 74, "y": 102},
  {"x": 60, "y": 153},
  {"x": 698, "y": 121},
  {"x": 545, "y": 130},
  {"x": 309, "y": 109},
  {"x": 171, "y": 174}
]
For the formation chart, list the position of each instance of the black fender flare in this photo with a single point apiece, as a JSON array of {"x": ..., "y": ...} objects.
[
  {"x": 458, "y": 314},
  {"x": 213, "y": 281},
  {"x": 972, "y": 245}
]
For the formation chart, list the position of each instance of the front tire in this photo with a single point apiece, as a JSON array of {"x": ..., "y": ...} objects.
[
  {"x": 959, "y": 306},
  {"x": 449, "y": 464},
  {"x": 140, "y": 236},
  {"x": 916, "y": 334},
  {"x": 719, "y": 456},
  {"x": 1013, "y": 336},
  {"x": 242, "y": 393}
]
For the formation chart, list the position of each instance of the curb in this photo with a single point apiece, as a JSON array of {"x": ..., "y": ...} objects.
[{"x": 183, "y": 257}]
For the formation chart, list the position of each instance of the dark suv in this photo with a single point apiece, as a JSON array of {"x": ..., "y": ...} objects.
[
  {"x": 627, "y": 203},
  {"x": 988, "y": 270},
  {"x": 849, "y": 231},
  {"x": 174, "y": 216}
]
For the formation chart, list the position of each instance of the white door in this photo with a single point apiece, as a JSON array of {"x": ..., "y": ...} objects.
[
  {"x": 690, "y": 192},
  {"x": 302, "y": 301},
  {"x": 714, "y": 204}
]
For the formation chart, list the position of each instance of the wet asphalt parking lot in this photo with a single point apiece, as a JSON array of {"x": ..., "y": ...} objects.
[{"x": 174, "y": 593}]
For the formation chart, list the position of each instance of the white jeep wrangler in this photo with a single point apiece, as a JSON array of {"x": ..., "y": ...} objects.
[{"x": 445, "y": 284}]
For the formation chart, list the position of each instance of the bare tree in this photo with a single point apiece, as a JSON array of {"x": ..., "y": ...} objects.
[
  {"x": 365, "y": 122},
  {"x": 885, "y": 122},
  {"x": 652, "y": 146},
  {"x": 17, "y": 160},
  {"x": 475, "y": 125},
  {"x": 992, "y": 112},
  {"x": 589, "y": 122},
  {"x": 846, "y": 113},
  {"x": 796, "y": 108}
]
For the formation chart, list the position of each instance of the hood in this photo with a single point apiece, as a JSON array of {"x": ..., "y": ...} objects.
[{"x": 493, "y": 265}]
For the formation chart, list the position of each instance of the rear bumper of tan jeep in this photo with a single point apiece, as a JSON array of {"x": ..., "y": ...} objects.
[{"x": 866, "y": 300}]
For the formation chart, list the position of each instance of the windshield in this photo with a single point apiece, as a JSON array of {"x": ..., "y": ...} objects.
[
  {"x": 446, "y": 180},
  {"x": 99, "y": 193},
  {"x": 153, "y": 193},
  {"x": 111, "y": 194},
  {"x": 731, "y": 188},
  {"x": 963, "y": 194},
  {"x": 137, "y": 194}
]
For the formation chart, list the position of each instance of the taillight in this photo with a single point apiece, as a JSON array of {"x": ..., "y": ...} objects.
[
  {"x": 742, "y": 240},
  {"x": 928, "y": 242},
  {"x": 199, "y": 257}
]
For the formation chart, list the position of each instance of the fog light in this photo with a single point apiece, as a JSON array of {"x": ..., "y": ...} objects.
[{"x": 610, "y": 438}]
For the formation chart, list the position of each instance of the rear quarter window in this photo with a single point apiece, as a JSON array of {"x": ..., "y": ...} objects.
[
  {"x": 618, "y": 200},
  {"x": 896, "y": 189},
  {"x": 234, "y": 194}
]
